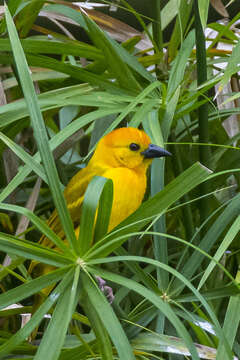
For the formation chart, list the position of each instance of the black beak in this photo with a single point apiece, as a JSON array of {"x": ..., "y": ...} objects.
[{"x": 154, "y": 151}]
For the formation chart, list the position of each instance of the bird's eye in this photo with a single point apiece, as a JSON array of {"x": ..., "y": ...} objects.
[{"x": 134, "y": 147}]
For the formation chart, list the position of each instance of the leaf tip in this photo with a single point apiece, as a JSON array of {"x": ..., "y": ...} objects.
[{"x": 209, "y": 171}]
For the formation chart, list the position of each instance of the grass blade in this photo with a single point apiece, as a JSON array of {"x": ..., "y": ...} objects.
[
  {"x": 88, "y": 213},
  {"x": 24, "y": 156},
  {"x": 40, "y": 130},
  {"x": 54, "y": 143},
  {"x": 40, "y": 224},
  {"x": 109, "y": 319},
  {"x": 12, "y": 245},
  {"x": 231, "y": 234},
  {"x": 31, "y": 287},
  {"x": 231, "y": 323},
  {"x": 207, "y": 242},
  {"x": 24, "y": 332},
  {"x": 157, "y": 301},
  {"x": 54, "y": 336},
  {"x": 154, "y": 207}
]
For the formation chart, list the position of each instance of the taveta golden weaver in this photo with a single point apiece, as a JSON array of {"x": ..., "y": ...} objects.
[{"x": 124, "y": 156}]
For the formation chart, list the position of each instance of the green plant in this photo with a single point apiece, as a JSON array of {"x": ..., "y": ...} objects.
[{"x": 170, "y": 255}]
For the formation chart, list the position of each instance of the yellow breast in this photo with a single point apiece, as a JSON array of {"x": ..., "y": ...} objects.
[{"x": 128, "y": 191}]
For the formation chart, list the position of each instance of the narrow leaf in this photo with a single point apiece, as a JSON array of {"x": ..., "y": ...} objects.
[
  {"x": 54, "y": 336},
  {"x": 39, "y": 130},
  {"x": 24, "y": 332},
  {"x": 109, "y": 319}
]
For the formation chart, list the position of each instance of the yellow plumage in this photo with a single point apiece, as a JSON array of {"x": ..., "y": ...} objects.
[{"x": 123, "y": 156}]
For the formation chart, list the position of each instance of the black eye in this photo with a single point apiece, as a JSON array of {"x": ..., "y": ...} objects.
[{"x": 134, "y": 147}]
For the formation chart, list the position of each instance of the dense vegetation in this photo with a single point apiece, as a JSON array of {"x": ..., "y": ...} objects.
[{"x": 173, "y": 264}]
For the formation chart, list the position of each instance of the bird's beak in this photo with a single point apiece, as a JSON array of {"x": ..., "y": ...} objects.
[{"x": 154, "y": 151}]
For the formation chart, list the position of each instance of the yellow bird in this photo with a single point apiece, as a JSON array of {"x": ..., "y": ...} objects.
[{"x": 124, "y": 156}]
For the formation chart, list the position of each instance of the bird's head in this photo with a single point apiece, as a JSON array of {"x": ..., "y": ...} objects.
[{"x": 128, "y": 147}]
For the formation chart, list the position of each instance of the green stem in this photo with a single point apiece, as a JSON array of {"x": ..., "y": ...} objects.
[
  {"x": 157, "y": 27},
  {"x": 187, "y": 211},
  {"x": 102, "y": 337},
  {"x": 204, "y": 151}
]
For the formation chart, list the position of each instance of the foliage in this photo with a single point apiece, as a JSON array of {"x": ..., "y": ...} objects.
[{"x": 173, "y": 264}]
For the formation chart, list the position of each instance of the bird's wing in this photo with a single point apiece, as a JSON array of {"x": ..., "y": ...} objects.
[{"x": 74, "y": 194}]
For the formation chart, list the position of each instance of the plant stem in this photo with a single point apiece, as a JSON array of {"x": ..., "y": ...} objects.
[
  {"x": 187, "y": 211},
  {"x": 204, "y": 151},
  {"x": 157, "y": 27}
]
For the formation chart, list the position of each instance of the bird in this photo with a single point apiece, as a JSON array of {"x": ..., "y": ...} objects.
[{"x": 123, "y": 155}]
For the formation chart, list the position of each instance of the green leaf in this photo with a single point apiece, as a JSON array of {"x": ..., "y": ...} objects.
[
  {"x": 169, "y": 113},
  {"x": 40, "y": 224},
  {"x": 40, "y": 131},
  {"x": 179, "y": 65},
  {"x": 217, "y": 293},
  {"x": 126, "y": 58},
  {"x": 24, "y": 332},
  {"x": 116, "y": 65},
  {"x": 75, "y": 72},
  {"x": 155, "y": 206},
  {"x": 226, "y": 242},
  {"x": 31, "y": 287},
  {"x": 12, "y": 245},
  {"x": 184, "y": 10},
  {"x": 143, "y": 113},
  {"x": 68, "y": 47},
  {"x": 69, "y": 12},
  {"x": 102, "y": 337},
  {"x": 104, "y": 211},
  {"x": 207, "y": 242},
  {"x": 203, "y": 7},
  {"x": 28, "y": 15},
  {"x": 54, "y": 142},
  {"x": 153, "y": 298},
  {"x": 108, "y": 317},
  {"x": 231, "y": 322},
  {"x": 232, "y": 66},
  {"x": 153, "y": 342},
  {"x": 148, "y": 91},
  {"x": 24, "y": 156},
  {"x": 159, "y": 134},
  {"x": 88, "y": 213},
  {"x": 47, "y": 100},
  {"x": 136, "y": 287},
  {"x": 54, "y": 336},
  {"x": 169, "y": 12}
]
